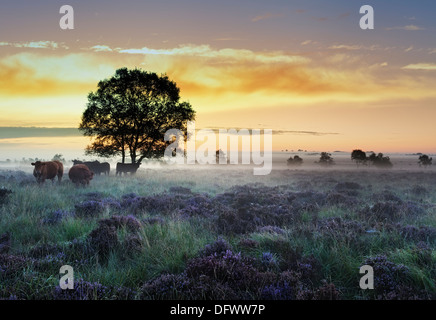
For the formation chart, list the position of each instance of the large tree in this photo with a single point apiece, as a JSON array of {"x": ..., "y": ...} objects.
[{"x": 130, "y": 112}]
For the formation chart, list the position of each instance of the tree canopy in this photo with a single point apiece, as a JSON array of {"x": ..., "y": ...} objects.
[
  {"x": 359, "y": 156},
  {"x": 130, "y": 112}
]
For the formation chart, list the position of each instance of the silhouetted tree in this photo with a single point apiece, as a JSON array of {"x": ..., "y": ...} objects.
[
  {"x": 359, "y": 156},
  {"x": 220, "y": 154},
  {"x": 326, "y": 159},
  {"x": 380, "y": 160},
  {"x": 130, "y": 113},
  {"x": 425, "y": 160},
  {"x": 296, "y": 160},
  {"x": 58, "y": 157}
]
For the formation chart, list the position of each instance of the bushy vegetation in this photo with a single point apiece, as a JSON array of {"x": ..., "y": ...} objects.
[{"x": 206, "y": 235}]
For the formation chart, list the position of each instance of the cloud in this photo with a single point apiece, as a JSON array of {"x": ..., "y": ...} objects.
[
  {"x": 227, "y": 54},
  {"x": 410, "y": 27},
  {"x": 266, "y": 16},
  {"x": 101, "y": 48},
  {"x": 35, "y": 44},
  {"x": 421, "y": 66},
  {"x": 345, "y": 46}
]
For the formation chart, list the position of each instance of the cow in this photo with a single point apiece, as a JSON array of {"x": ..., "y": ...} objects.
[
  {"x": 80, "y": 174},
  {"x": 48, "y": 170},
  {"x": 127, "y": 167},
  {"x": 96, "y": 166}
]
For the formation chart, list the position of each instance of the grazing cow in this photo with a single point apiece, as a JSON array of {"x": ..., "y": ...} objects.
[
  {"x": 48, "y": 170},
  {"x": 96, "y": 166},
  {"x": 80, "y": 174},
  {"x": 127, "y": 167}
]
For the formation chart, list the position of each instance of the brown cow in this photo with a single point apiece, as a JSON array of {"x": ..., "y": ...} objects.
[
  {"x": 80, "y": 174},
  {"x": 48, "y": 170}
]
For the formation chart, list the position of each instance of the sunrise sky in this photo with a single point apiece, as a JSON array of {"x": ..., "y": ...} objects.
[{"x": 302, "y": 68}]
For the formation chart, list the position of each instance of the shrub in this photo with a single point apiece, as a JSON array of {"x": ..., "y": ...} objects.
[
  {"x": 390, "y": 279},
  {"x": 219, "y": 247},
  {"x": 422, "y": 233},
  {"x": 89, "y": 208},
  {"x": 103, "y": 239}
]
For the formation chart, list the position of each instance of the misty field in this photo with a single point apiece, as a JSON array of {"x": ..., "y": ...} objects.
[{"x": 219, "y": 232}]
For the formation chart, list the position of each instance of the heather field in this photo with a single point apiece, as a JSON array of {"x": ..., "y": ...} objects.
[{"x": 219, "y": 232}]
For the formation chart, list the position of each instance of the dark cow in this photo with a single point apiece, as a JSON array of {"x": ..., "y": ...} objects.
[
  {"x": 80, "y": 174},
  {"x": 96, "y": 166},
  {"x": 48, "y": 170},
  {"x": 127, "y": 167}
]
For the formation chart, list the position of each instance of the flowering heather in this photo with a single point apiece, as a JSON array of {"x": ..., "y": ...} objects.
[
  {"x": 219, "y": 247},
  {"x": 249, "y": 218},
  {"x": 327, "y": 291},
  {"x": 389, "y": 278},
  {"x": 229, "y": 268},
  {"x": 89, "y": 208},
  {"x": 85, "y": 290},
  {"x": 422, "y": 233},
  {"x": 182, "y": 287},
  {"x": 103, "y": 239},
  {"x": 338, "y": 227},
  {"x": 276, "y": 291},
  {"x": 386, "y": 195},
  {"x": 162, "y": 203},
  {"x": 12, "y": 265},
  {"x": 200, "y": 206},
  {"x": 268, "y": 261},
  {"x": 111, "y": 204}
]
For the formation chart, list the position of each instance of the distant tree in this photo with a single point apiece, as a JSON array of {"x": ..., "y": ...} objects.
[
  {"x": 58, "y": 157},
  {"x": 130, "y": 113},
  {"x": 425, "y": 160},
  {"x": 296, "y": 160},
  {"x": 326, "y": 159},
  {"x": 359, "y": 156},
  {"x": 380, "y": 160},
  {"x": 220, "y": 154}
]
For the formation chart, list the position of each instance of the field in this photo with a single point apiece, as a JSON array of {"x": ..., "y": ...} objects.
[{"x": 219, "y": 232}]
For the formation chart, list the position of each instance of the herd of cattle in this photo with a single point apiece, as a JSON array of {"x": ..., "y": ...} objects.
[{"x": 81, "y": 173}]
